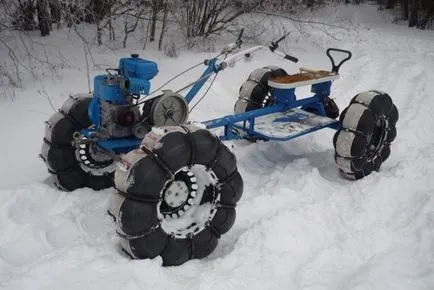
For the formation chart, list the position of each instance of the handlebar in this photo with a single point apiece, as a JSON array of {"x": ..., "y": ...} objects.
[
  {"x": 231, "y": 46},
  {"x": 275, "y": 44},
  {"x": 286, "y": 56},
  {"x": 238, "y": 42},
  {"x": 248, "y": 52},
  {"x": 230, "y": 61},
  {"x": 335, "y": 68}
]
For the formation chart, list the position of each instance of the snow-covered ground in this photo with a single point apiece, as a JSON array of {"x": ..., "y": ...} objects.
[{"x": 299, "y": 224}]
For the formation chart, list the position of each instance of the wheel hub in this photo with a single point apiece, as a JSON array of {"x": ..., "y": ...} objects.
[
  {"x": 93, "y": 160},
  {"x": 176, "y": 194},
  {"x": 377, "y": 138},
  {"x": 189, "y": 201},
  {"x": 179, "y": 195}
]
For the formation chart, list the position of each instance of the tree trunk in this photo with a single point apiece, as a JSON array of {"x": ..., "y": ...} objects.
[
  {"x": 111, "y": 31},
  {"x": 146, "y": 34},
  {"x": 414, "y": 19},
  {"x": 124, "y": 41},
  {"x": 96, "y": 10},
  {"x": 44, "y": 17},
  {"x": 153, "y": 23},
  {"x": 27, "y": 11},
  {"x": 99, "y": 33},
  {"x": 73, "y": 15},
  {"x": 404, "y": 9},
  {"x": 390, "y": 4},
  {"x": 163, "y": 28},
  {"x": 414, "y": 13},
  {"x": 310, "y": 3},
  {"x": 55, "y": 11},
  {"x": 428, "y": 17}
]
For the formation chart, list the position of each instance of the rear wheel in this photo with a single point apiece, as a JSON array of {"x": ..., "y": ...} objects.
[
  {"x": 363, "y": 142},
  {"x": 176, "y": 195},
  {"x": 255, "y": 93},
  {"x": 72, "y": 167}
]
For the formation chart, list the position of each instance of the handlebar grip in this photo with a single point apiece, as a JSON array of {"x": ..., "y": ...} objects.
[
  {"x": 280, "y": 39},
  {"x": 335, "y": 68},
  {"x": 239, "y": 41},
  {"x": 291, "y": 58},
  {"x": 241, "y": 33}
]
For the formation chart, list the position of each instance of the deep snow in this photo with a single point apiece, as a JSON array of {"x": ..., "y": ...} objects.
[{"x": 299, "y": 224}]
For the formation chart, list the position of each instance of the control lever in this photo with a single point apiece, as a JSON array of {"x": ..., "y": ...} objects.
[
  {"x": 237, "y": 44},
  {"x": 275, "y": 45}
]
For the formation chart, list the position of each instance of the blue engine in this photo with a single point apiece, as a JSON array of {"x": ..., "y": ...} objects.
[
  {"x": 109, "y": 109},
  {"x": 138, "y": 72}
]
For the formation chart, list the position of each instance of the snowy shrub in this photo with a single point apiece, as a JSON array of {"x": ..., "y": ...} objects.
[{"x": 170, "y": 49}]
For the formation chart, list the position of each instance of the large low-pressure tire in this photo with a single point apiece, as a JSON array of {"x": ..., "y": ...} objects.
[
  {"x": 176, "y": 195},
  {"x": 73, "y": 167},
  {"x": 367, "y": 129},
  {"x": 255, "y": 93}
]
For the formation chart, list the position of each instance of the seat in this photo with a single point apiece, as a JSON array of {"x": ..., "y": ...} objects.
[{"x": 304, "y": 77}]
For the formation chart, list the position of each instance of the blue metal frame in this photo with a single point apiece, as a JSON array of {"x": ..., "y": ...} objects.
[
  {"x": 210, "y": 70},
  {"x": 285, "y": 100},
  {"x": 116, "y": 145}
]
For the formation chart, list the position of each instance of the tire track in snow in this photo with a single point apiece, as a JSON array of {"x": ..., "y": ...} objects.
[
  {"x": 46, "y": 227},
  {"x": 408, "y": 88}
]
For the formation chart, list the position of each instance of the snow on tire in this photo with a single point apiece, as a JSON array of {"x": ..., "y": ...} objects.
[
  {"x": 73, "y": 167},
  {"x": 367, "y": 129},
  {"x": 176, "y": 195},
  {"x": 255, "y": 93}
]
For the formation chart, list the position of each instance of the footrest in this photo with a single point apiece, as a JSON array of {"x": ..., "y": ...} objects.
[{"x": 287, "y": 125}]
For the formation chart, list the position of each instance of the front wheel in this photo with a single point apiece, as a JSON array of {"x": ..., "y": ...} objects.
[
  {"x": 74, "y": 167},
  {"x": 176, "y": 195},
  {"x": 367, "y": 129}
]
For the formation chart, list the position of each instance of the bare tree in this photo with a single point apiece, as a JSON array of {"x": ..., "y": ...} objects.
[
  {"x": 164, "y": 25},
  {"x": 206, "y": 17},
  {"x": 44, "y": 17},
  {"x": 26, "y": 54},
  {"x": 24, "y": 14},
  {"x": 419, "y": 13},
  {"x": 156, "y": 7},
  {"x": 130, "y": 26}
]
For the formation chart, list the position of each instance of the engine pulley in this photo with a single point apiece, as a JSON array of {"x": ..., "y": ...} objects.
[{"x": 170, "y": 109}]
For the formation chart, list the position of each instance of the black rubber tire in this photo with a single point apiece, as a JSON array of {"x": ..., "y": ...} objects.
[
  {"x": 368, "y": 127},
  {"x": 255, "y": 93},
  {"x": 58, "y": 153},
  {"x": 135, "y": 207}
]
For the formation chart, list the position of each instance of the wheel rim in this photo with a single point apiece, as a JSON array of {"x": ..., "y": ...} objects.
[
  {"x": 92, "y": 160},
  {"x": 376, "y": 140},
  {"x": 189, "y": 201},
  {"x": 179, "y": 195}
]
